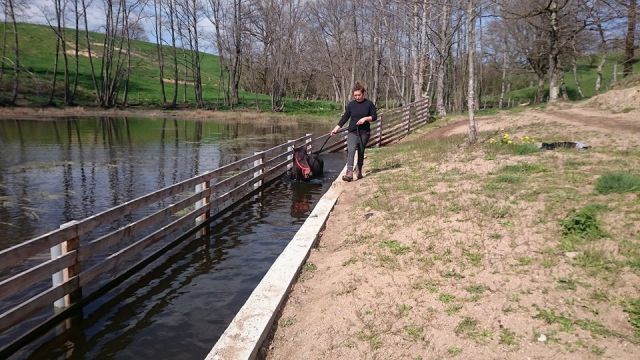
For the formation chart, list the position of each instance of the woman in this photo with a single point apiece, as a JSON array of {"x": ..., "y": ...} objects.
[{"x": 360, "y": 112}]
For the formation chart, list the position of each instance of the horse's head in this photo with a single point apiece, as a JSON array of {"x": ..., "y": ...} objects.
[{"x": 301, "y": 163}]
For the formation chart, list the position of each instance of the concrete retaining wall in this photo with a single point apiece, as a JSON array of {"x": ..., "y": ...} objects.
[{"x": 248, "y": 329}]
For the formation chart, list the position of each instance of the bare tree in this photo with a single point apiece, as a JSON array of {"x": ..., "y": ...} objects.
[
  {"x": 157, "y": 17},
  {"x": 629, "y": 40},
  {"x": 16, "y": 62}
]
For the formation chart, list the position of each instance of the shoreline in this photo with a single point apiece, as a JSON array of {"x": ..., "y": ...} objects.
[{"x": 30, "y": 113}]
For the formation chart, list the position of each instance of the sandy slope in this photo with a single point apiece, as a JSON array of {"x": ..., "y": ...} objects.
[{"x": 471, "y": 283}]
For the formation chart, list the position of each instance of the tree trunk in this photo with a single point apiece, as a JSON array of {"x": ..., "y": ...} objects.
[
  {"x": 503, "y": 84},
  {"x": 599, "y": 74},
  {"x": 172, "y": 14},
  {"x": 236, "y": 69},
  {"x": 443, "y": 54},
  {"x": 563, "y": 88},
  {"x": 554, "y": 52},
  {"x": 539, "y": 90},
  {"x": 55, "y": 74},
  {"x": 574, "y": 67},
  {"x": 157, "y": 11},
  {"x": 93, "y": 70},
  {"x": 4, "y": 43},
  {"x": 16, "y": 63},
  {"x": 74, "y": 91},
  {"x": 471, "y": 97},
  {"x": 415, "y": 60},
  {"x": 630, "y": 38}
]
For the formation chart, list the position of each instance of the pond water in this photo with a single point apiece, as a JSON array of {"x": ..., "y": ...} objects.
[
  {"x": 55, "y": 171},
  {"x": 178, "y": 306}
]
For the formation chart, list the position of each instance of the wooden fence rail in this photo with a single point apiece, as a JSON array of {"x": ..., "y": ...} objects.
[{"x": 89, "y": 259}]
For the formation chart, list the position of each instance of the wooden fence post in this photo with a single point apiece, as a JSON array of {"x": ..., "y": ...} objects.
[
  {"x": 409, "y": 118},
  {"x": 64, "y": 275},
  {"x": 202, "y": 202},
  {"x": 258, "y": 164},
  {"x": 308, "y": 146},
  {"x": 380, "y": 130},
  {"x": 290, "y": 149}
]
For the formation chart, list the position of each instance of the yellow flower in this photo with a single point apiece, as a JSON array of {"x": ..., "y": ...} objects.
[{"x": 509, "y": 142}]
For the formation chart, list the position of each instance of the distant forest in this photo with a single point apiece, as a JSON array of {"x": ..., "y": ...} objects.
[{"x": 457, "y": 54}]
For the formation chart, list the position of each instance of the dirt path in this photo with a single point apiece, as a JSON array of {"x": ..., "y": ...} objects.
[
  {"x": 448, "y": 253},
  {"x": 584, "y": 117}
]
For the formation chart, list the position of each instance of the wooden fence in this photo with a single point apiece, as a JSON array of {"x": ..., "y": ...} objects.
[{"x": 84, "y": 258}]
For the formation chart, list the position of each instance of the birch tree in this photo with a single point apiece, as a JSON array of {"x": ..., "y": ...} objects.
[{"x": 471, "y": 44}]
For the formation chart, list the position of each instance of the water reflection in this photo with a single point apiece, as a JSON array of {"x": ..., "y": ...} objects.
[{"x": 55, "y": 171}]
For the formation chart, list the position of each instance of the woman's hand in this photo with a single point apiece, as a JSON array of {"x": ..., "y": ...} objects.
[
  {"x": 335, "y": 130},
  {"x": 363, "y": 120}
]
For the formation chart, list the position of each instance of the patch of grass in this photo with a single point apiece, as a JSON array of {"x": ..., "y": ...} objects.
[
  {"x": 284, "y": 322},
  {"x": 594, "y": 327},
  {"x": 453, "y": 309},
  {"x": 599, "y": 295},
  {"x": 508, "y": 337},
  {"x": 595, "y": 261},
  {"x": 427, "y": 285},
  {"x": 522, "y": 149},
  {"x": 454, "y": 350},
  {"x": 415, "y": 332},
  {"x": 618, "y": 182},
  {"x": 525, "y": 261},
  {"x": 387, "y": 261},
  {"x": 403, "y": 309},
  {"x": 352, "y": 260},
  {"x": 452, "y": 274},
  {"x": 633, "y": 309},
  {"x": 583, "y": 223},
  {"x": 446, "y": 298},
  {"x": 309, "y": 266},
  {"x": 476, "y": 289},
  {"x": 550, "y": 317},
  {"x": 347, "y": 288},
  {"x": 395, "y": 247},
  {"x": 454, "y": 207},
  {"x": 474, "y": 258},
  {"x": 370, "y": 337},
  {"x": 567, "y": 284},
  {"x": 631, "y": 250},
  {"x": 596, "y": 350},
  {"x": 466, "y": 327},
  {"x": 508, "y": 178},
  {"x": 524, "y": 168}
]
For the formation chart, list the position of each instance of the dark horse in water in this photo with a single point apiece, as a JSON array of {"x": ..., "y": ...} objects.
[{"x": 306, "y": 166}]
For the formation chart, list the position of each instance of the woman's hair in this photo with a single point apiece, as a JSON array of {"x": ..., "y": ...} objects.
[{"x": 358, "y": 87}]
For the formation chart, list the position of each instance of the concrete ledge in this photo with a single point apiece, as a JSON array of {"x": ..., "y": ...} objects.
[{"x": 246, "y": 332}]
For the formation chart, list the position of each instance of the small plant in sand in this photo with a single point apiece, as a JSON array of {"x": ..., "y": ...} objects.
[
  {"x": 508, "y": 337},
  {"x": 510, "y": 145},
  {"x": 454, "y": 350},
  {"x": 633, "y": 309}
]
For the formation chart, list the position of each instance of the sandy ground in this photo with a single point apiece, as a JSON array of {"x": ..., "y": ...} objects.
[{"x": 443, "y": 265}]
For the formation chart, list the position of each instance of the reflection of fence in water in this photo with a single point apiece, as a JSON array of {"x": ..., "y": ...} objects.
[
  {"x": 91, "y": 262},
  {"x": 83, "y": 257}
]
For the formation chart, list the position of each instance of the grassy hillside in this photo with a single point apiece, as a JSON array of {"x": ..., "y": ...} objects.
[
  {"x": 586, "y": 73},
  {"x": 37, "y": 47}
]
